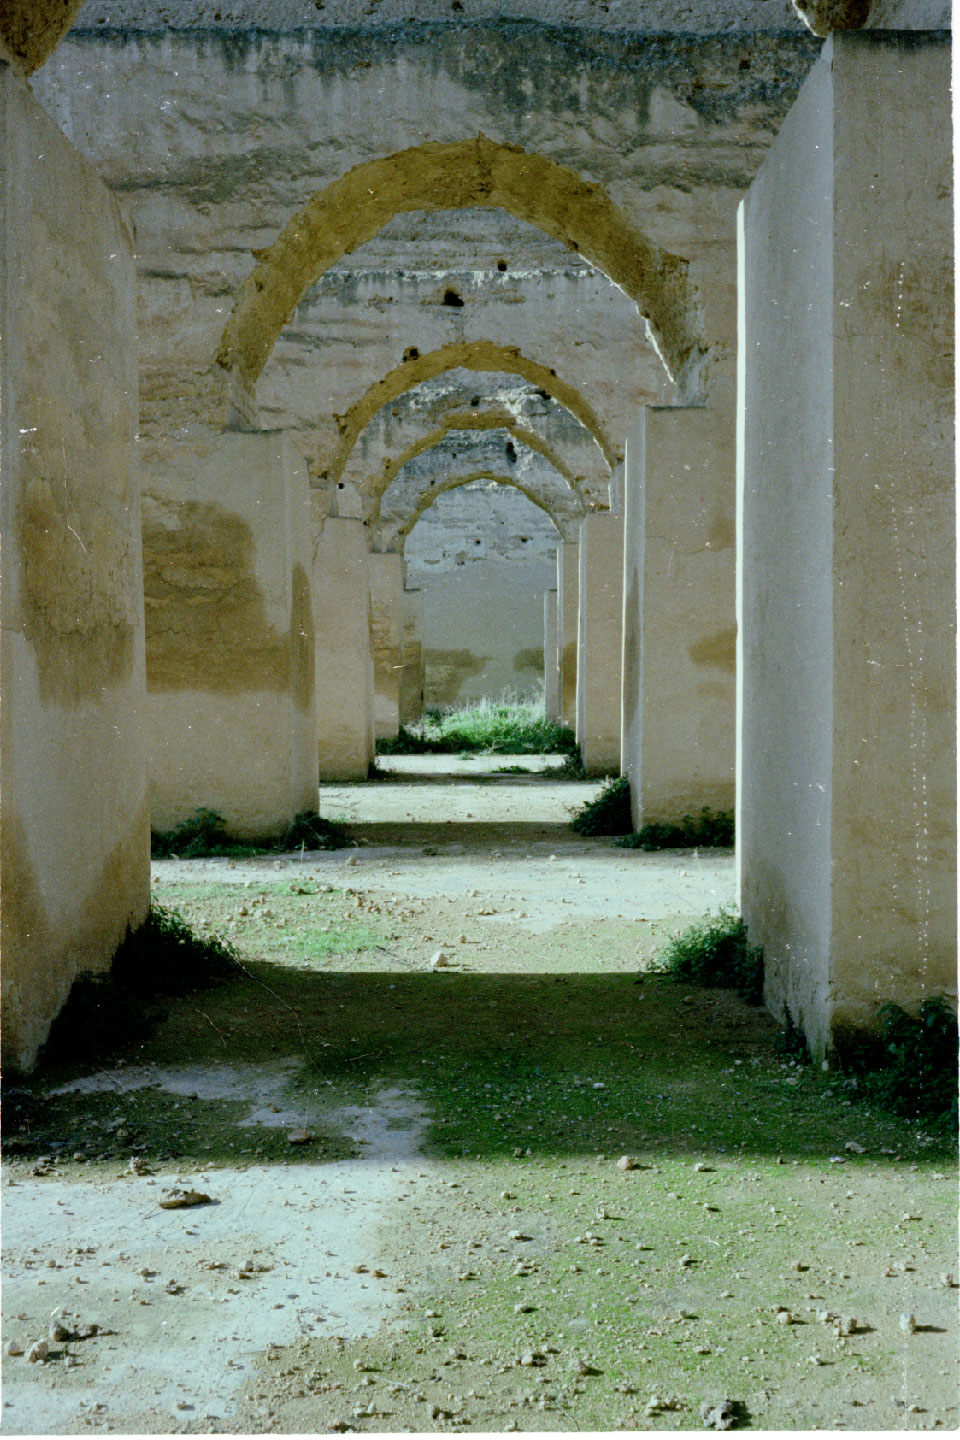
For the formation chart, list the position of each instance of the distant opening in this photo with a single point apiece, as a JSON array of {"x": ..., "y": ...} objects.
[
  {"x": 451, "y": 297},
  {"x": 411, "y": 353}
]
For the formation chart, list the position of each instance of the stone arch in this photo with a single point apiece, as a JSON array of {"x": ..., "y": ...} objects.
[
  {"x": 463, "y": 174},
  {"x": 490, "y": 420},
  {"x": 431, "y": 494},
  {"x": 480, "y": 356},
  {"x": 32, "y": 29}
]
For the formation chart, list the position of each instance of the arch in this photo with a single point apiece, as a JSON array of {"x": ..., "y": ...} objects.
[
  {"x": 480, "y": 356},
  {"x": 489, "y": 420},
  {"x": 32, "y": 29},
  {"x": 459, "y": 175},
  {"x": 403, "y": 531}
]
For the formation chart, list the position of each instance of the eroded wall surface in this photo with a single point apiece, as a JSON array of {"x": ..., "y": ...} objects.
[
  {"x": 846, "y": 751},
  {"x": 679, "y": 635},
  {"x": 230, "y": 645},
  {"x": 568, "y": 609},
  {"x": 75, "y": 858},
  {"x": 385, "y": 582}
]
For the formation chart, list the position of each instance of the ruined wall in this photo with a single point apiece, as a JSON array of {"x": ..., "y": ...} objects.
[
  {"x": 230, "y": 644},
  {"x": 75, "y": 862},
  {"x": 846, "y": 498},
  {"x": 600, "y": 643},
  {"x": 482, "y": 556},
  {"x": 385, "y": 582}
]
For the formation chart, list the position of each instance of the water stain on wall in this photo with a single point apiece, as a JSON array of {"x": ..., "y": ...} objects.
[
  {"x": 719, "y": 649},
  {"x": 206, "y": 618},
  {"x": 447, "y": 670}
]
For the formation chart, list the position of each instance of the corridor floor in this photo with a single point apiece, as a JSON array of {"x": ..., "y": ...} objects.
[{"x": 408, "y": 1116}]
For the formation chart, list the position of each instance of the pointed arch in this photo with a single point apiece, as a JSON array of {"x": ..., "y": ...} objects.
[
  {"x": 458, "y": 175},
  {"x": 480, "y": 356}
]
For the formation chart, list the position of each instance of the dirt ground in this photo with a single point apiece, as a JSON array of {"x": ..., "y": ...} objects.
[{"x": 416, "y": 1219}]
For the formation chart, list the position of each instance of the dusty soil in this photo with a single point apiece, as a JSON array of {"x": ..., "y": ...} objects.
[{"x": 452, "y": 1246}]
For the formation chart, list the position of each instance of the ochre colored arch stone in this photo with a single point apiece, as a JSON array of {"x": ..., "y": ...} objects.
[
  {"x": 32, "y": 29},
  {"x": 454, "y": 176},
  {"x": 480, "y": 356},
  {"x": 484, "y": 420},
  {"x": 430, "y": 496}
]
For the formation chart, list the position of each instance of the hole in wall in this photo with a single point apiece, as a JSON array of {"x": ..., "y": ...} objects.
[
  {"x": 453, "y": 298},
  {"x": 411, "y": 353}
]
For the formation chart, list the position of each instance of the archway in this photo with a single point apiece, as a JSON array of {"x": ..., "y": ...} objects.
[
  {"x": 453, "y": 176},
  {"x": 565, "y": 523},
  {"x": 480, "y": 356}
]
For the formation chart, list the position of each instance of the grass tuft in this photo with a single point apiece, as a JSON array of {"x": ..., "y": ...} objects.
[
  {"x": 919, "y": 1074},
  {"x": 717, "y": 953},
  {"x": 709, "y": 828},
  {"x": 498, "y": 727},
  {"x": 608, "y": 814},
  {"x": 310, "y": 831}
]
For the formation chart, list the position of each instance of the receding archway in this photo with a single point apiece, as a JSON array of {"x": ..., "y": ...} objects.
[
  {"x": 480, "y": 356},
  {"x": 488, "y": 420},
  {"x": 431, "y": 492},
  {"x": 464, "y": 174}
]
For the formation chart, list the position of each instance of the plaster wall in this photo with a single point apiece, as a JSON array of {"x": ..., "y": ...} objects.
[
  {"x": 600, "y": 643},
  {"x": 568, "y": 610},
  {"x": 846, "y": 750},
  {"x": 344, "y": 665},
  {"x": 679, "y": 636},
  {"x": 551, "y": 657},
  {"x": 231, "y": 649},
  {"x": 75, "y": 855},
  {"x": 385, "y": 581}
]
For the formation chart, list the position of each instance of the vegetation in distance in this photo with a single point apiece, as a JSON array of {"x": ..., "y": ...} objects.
[
  {"x": 609, "y": 814},
  {"x": 494, "y": 727},
  {"x": 204, "y": 836}
]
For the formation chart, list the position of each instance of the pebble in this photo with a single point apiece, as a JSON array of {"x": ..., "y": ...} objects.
[
  {"x": 300, "y": 1137},
  {"x": 908, "y": 1324},
  {"x": 13, "y": 1347},
  {"x": 181, "y": 1199},
  {"x": 38, "y": 1351},
  {"x": 583, "y": 1367},
  {"x": 627, "y": 1162},
  {"x": 947, "y": 1279},
  {"x": 438, "y": 961},
  {"x": 533, "y": 1359}
]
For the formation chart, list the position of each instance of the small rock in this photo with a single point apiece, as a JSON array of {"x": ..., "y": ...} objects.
[
  {"x": 299, "y": 1137},
  {"x": 139, "y": 1166},
  {"x": 86, "y": 1332},
  {"x": 438, "y": 960},
  {"x": 533, "y": 1358},
  {"x": 947, "y": 1279},
  {"x": 13, "y": 1347},
  {"x": 519, "y": 1235},
  {"x": 351, "y": 860},
  {"x": 583, "y": 1367},
  {"x": 627, "y": 1162},
  {"x": 785, "y": 1318},
  {"x": 38, "y": 1351},
  {"x": 853, "y": 1147},
  {"x": 701, "y": 1167},
  {"x": 686, "y": 1260},
  {"x": 172, "y": 1288},
  {"x": 719, "y": 1414},
  {"x": 182, "y": 1199},
  {"x": 524, "y": 1309},
  {"x": 58, "y": 1331},
  {"x": 908, "y": 1324}
]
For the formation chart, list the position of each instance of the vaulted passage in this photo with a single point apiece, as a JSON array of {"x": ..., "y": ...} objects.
[{"x": 477, "y": 716}]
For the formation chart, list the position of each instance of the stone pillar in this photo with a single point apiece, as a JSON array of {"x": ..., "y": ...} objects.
[
  {"x": 679, "y": 620},
  {"x": 551, "y": 658},
  {"x": 411, "y": 673},
  {"x": 344, "y": 666},
  {"x": 847, "y": 724},
  {"x": 385, "y": 579},
  {"x": 600, "y": 633},
  {"x": 75, "y": 860},
  {"x": 231, "y": 653},
  {"x": 568, "y": 606}
]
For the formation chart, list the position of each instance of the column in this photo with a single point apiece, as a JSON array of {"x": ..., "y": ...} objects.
[
  {"x": 344, "y": 664},
  {"x": 551, "y": 658},
  {"x": 846, "y": 581},
  {"x": 385, "y": 578},
  {"x": 410, "y": 698},
  {"x": 600, "y": 632},
  {"x": 568, "y": 605},
  {"x": 679, "y": 620}
]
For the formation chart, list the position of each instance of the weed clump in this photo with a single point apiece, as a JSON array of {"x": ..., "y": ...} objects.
[
  {"x": 204, "y": 836},
  {"x": 608, "y": 814},
  {"x": 162, "y": 957},
  {"x": 498, "y": 727},
  {"x": 919, "y": 1073},
  {"x": 717, "y": 953},
  {"x": 310, "y": 831},
  {"x": 708, "y": 829}
]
